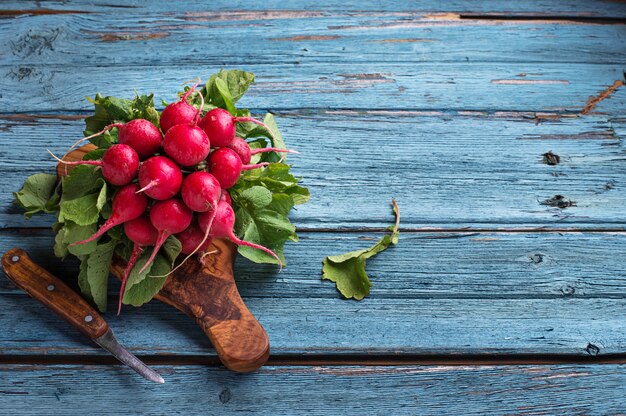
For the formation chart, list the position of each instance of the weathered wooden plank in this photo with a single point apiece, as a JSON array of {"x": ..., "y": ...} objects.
[
  {"x": 319, "y": 390},
  {"x": 582, "y": 8},
  {"x": 445, "y": 169},
  {"x": 489, "y": 293},
  {"x": 358, "y": 86},
  {"x": 287, "y": 37}
]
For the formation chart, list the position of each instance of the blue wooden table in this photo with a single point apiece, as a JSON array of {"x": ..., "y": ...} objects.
[{"x": 500, "y": 297}]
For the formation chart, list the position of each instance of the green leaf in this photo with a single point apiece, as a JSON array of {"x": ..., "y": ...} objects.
[
  {"x": 139, "y": 292},
  {"x": 266, "y": 227},
  {"x": 258, "y": 196},
  {"x": 36, "y": 194},
  {"x": 98, "y": 273},
  {"x": 109, "y": 110},
  {"x": 281, "y": 203},
  {"x": 73, "y": 233},
  {"x": 348, "y": 270},
  {"x": 225, "y": 96},
  {"x": 236, "y": 82},
  {"x": 262, "y": 200},
  {"x": 171, "y": 249},
  {"x": 102, "y": 197},
  {"x": 60, "y": 246},
  {"x": 349, "y": 276},
  {"x": 276, "y": 141},
  {"x": 82, "y": 211},
  {"x": 81, "y": 181},
  {"x": 95, "y": 154},
  {"x": 83, "y": 282}
]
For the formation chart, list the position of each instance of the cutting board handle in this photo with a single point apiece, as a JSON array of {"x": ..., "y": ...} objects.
[{"x": 208, "y": 294}]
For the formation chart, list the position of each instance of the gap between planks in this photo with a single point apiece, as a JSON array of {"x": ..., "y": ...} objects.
[
  {"x": 337, "y": 360},
  {"x": 422, "y": 230},
  {"x": 439, "y": 15}
]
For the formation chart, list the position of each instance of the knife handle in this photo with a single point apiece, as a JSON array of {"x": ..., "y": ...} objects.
[{"x": 52, "y": 292}]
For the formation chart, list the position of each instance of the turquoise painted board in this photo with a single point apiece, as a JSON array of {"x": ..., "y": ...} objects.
[
  {"x": 453, "y": 293},
  {"x": 449, "y": 108},
  {"x": 287, "y": 37},
  {"x": 317, "y": 390},
  {"x": 443, "y": 170}
]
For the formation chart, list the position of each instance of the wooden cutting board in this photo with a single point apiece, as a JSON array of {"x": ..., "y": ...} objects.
[{"x": 208, "y": 294}]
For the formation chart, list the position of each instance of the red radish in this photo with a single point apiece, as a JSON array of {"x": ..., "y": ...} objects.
[
  {"x": 187, "y": 144},
  {"x": 219, "y": 125},
  {"x": 192, "y": 239},
  {"x": 225, "y": 165},
  {"x": 226, "y": 197},
  {"x": 160, "y": 178},
  {"x": 168, "y": 217},
  {"x": 243, "y": 150},
  {"x": 119, "y": 163},
  {"x": 179, "y": 112},
  {"x": 141, "y": 135},
  {"x": 201, "y": 191},
  {"x": 221, "y": 226},
  {"x": 142, "y": 233},
  {"x": 127, "y": 205}
]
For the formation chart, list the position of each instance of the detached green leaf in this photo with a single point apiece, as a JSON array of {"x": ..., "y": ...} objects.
[
  {"x": 36, "y": 193},
  {"x": 348, "y": 270},
  {"x": 98, "y": 273}
]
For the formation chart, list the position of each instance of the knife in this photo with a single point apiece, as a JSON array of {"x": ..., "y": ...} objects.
[{"x": 62, "y": 300}]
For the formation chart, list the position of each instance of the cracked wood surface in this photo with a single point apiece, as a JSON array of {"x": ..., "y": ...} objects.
[
  {"x": 498, "y": 293},
  {"x": 497, "y": 126},
  {"x": 442, "y": 170},
  {"x": 349, "y": 86},
  {"x": 302, "y": 38},
  {"x": 319, "y": 390},
  {"x": 583, "y": 8}
]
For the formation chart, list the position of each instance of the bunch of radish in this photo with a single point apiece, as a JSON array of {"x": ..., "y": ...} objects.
[{"x": 173, "y": 179}]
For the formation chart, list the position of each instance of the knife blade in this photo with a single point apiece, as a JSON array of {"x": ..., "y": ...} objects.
[{"x": 67, "y": 304}]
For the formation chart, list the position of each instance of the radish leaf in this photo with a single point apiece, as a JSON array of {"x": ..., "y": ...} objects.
[{"x": 348, "y": 270}]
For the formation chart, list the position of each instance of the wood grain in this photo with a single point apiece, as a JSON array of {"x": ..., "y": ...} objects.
[
  {"x": 357, "y": 86},
  {"x": 219, "y": 8},
  {"x": 208, "y": 294},
  {"x": 446, "y": 170},
  {"x": 433, "y": 293},
  {"x": 53, "y": 293},
  {"x": 449, "y": 107},
  {"x": 304, "y": 37},
  {"x": 319, "y": 390}
]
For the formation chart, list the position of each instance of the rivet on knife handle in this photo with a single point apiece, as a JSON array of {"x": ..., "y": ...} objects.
[{"x": 52, "y": 292}]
